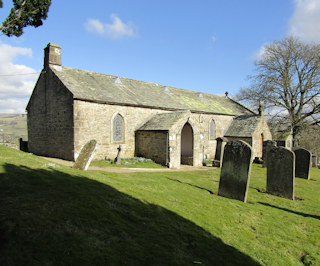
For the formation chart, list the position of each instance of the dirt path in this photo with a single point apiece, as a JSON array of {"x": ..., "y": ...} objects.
[{"x": 130, "y": 170}]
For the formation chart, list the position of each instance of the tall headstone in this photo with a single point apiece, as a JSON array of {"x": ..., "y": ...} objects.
[
  {"x": 314, "y": 160},
  {"x": 303, "y": 162},
  {"x": 86, "y": 155},
  {"x": 280, "y": 172},
  {"x": 267, "y": 144},
  {"x": 235, "y": 171}
]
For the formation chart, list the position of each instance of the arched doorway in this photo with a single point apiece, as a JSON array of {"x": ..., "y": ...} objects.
[{"x": 187, "y": 144}]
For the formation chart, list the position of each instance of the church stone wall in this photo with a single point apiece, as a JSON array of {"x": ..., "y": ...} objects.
[
  {"x": 94, "y": 121},
  {"x": 262, "y": 129},
  {"x": 153, "y": 145},
  {"x": 50, "y": 118}
]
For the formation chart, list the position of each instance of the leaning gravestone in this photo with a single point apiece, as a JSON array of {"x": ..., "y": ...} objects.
[
  {"x": 280, "y": 172},
  {"x": 303, "y": 161},
  {"x": 235, "y": 171},
  {"x": 86, "y": 155},
  {"x": 267, "y": 144}
]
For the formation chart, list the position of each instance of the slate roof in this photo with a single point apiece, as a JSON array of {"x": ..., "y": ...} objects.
[
  {"x": 162, "y": 121},
  {"x": 243, "y": 126},
  {"x": 91, "y": 86}
]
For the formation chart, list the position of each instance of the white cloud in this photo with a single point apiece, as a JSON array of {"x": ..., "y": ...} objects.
[
  {"x": 117, "y": 29},
  {"x": 12, "y": 106},
  {"x": 259, "y": 54},
  {"x": 213, "y": 38},
  {"x": 305, "y": 21},
  {"x": 16, "y": 81}
]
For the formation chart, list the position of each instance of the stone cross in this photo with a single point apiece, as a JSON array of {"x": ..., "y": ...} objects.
[
  {"x": 303, "y": 162},
  {"x": 280, "y": 172},
  {"x": 86, "y": 155},
  {"x": 117, "y": 160},
  {"x": 267, "y": 144},
  {"x": 235, "y": 171}
]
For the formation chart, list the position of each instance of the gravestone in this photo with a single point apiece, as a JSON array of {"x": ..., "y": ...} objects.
[
  {"x": 86, "y": 155},
  {"x": 303, "y": 161},
  {"x": 117, "y": 160},
  {"x": 314, "y": 160},
  {"x": 217, "y": 161},
  {"x": 280, "y": 172},
  {"x": 235, "y": 171},
  {"x": 267, "y": 144}
]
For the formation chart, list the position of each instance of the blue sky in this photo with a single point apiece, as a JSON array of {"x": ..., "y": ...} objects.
[{"x": 205, "y": 45}]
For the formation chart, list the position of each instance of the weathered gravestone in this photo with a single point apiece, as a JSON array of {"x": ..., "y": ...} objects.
[
  {"x": 86, "y": 155},
  {"x": 235, "y": 171},
  {"x": 217, "y": 162},
  {"x": 280, "y": 172},
  {"x": 303, "y": 161},
  {"x": 265, "y": 148},
  {"x": 314, "y": 160}
]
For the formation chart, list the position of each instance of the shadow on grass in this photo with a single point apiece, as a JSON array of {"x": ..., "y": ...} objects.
[
  {"x": 51, "y": 217},
  {"x": 291, "y": 211},
  {"x": 202, "y": 188}
]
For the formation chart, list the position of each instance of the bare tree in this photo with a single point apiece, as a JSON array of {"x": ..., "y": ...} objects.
[{"x": 287, "y": 79}]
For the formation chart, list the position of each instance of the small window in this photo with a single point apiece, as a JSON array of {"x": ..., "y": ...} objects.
[
  {"x": 118, "y": 128},
  {"x": 212, "y": 130}
]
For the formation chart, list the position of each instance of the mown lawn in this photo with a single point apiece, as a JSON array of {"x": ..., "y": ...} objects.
[{"x": 55, "y": 215}]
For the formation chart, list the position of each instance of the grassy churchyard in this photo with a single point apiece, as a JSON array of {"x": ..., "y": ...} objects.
[{"x": 55, "y": 215}]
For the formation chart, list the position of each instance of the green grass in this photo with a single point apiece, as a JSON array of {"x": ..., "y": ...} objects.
[
  {"x": 137, "y": 162},
  {"x": 55, "y": 215}
]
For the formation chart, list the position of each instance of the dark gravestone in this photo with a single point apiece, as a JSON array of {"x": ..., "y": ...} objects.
[
  {"x": 117, "y": 160},
  {"x": 86, "y": 155},
  {"x": 280, "y": 172},
  {"x": 303, "y": 161},
  {"x": 235, "y": 171},
  {"x": 266, "y": 146}
]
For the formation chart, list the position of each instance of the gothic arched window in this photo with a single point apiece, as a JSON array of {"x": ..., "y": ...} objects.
[
  {"x": 212, "y": 130},
  {"x": 118, "y": 128}
]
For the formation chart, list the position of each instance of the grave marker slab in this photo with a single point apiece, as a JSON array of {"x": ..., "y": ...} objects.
[
  {"x": 303, "y": 162},
  {"x": 280, "y": 172},
  {"x": 267, "y": 144},
  {"x": 235, "y": 171},
  {"x": 86, "y": 155}
]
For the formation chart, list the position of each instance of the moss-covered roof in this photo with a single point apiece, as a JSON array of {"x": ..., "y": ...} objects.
[
  {"x": 162, "y": 121},
  {"x": 243, "y": 126},
  {"x": 98, "y": 87}
]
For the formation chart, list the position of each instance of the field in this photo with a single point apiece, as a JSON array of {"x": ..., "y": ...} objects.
[
  {"x": 13, "y": 126},
  {"x": 55, "y": 215}
]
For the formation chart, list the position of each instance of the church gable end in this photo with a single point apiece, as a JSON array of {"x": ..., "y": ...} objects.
[{"x": 50, "y": 118}]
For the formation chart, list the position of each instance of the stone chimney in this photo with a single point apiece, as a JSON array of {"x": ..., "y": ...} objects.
[
  {"x": 261, "y": 108},
  {"x": 52, "y": 55}
]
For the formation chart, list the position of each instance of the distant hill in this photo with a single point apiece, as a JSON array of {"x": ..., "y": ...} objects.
[{"x": 13, "y": 126}]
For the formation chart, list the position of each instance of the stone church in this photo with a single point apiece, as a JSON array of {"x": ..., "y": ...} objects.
[{"x": 69, "y": 107}]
